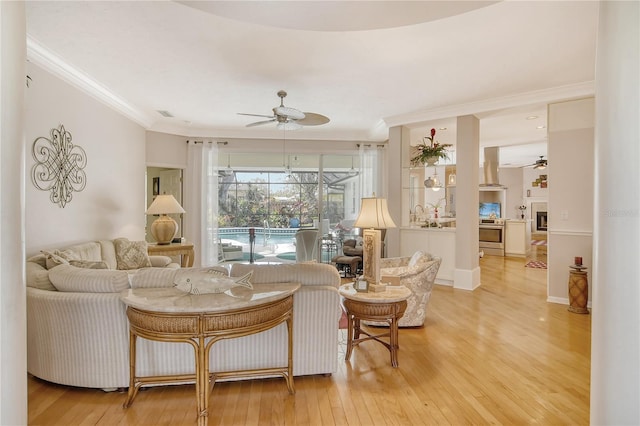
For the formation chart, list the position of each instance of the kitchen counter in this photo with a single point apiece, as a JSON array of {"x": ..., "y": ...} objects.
[
  {"x": 443, "y": 222},
  {"x": 431, "y": 228}
]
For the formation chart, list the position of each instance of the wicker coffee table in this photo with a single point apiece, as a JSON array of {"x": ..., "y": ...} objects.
[
  {"x": 170, "y": 315},
  {"x": 386, "y": 306}
]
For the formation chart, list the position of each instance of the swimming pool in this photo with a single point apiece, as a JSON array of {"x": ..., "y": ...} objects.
[{"x": 264, "y": 236}]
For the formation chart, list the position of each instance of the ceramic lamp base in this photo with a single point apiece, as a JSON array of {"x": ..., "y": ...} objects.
[{"x": 164, "y": 229}]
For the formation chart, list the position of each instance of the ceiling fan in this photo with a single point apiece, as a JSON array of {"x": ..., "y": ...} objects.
[
  {"x": 540, "y": 163},
  {"x": 287, "y": 117}
]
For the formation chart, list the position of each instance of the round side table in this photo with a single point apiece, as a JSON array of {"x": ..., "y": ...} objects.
[{"x": 388, "y": 306}]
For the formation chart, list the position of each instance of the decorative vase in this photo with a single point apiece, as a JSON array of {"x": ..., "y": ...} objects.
[
  {"x": 522, "y": 216},
  {"x": 431, "y": 161}
]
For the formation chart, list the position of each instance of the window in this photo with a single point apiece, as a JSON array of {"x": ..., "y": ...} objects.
[
  {"x": 250, "y": 199},
  {"x": 269, "y": 196}
]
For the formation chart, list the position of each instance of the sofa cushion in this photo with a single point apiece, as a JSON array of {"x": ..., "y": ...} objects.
[
  {"x": 152, "y": 278},
  {"x": 89, "y": 264},
  {"x": 38, "y": 276},
  {"x": 303, "y": 273},
  {"x": 69, "y": 278},
  {"x": 160, "y": 261},
  {"x": 131, "y": 254},
  {"x": 85, "y": 251},
  {"x": 108, "y": 253}
]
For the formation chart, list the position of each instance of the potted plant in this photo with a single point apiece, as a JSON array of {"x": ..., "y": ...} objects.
[{"x": 430, "y": 153}]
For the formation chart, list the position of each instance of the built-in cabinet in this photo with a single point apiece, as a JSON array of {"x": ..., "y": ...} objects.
[
  {"x": 517, "y": 238},
  {"x": 439, "y": 242}
]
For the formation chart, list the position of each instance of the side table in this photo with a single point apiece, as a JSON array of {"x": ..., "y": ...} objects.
[
  {"x": 387, "y": 306},
  {"x": 171, "y": 315},
  {"x": 174, "y": 249}
]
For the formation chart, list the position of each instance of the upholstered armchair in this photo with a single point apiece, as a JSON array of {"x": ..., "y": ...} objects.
[
  {"x": 417, "y": 273},
  {"x": 351, "y": 248}
]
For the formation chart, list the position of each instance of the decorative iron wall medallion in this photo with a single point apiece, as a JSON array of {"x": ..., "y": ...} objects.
[{"x": 59, "y": 166}]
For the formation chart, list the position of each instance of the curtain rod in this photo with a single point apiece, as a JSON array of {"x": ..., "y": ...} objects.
[
  {"x": 218, "y": 142},
  {"x": 369, "y": 145}
]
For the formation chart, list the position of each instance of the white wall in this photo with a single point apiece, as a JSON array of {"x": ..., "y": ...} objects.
[
  {"x": 615, "y": 332},
  {"x": 112, "y": 203},
  {"x": 511, "y": 177},
  {"x": 164, "y": 150},
  {"x": 13, "y": 342},
  {"x": 570, "y": 206},
  {"x": 529, "y": 175}
]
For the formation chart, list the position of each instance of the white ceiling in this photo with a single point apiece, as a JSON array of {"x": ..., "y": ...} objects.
[{"x": 366, "y": 65}]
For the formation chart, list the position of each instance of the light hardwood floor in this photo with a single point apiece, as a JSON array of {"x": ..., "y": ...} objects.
[{"x": 497, "y": 355}]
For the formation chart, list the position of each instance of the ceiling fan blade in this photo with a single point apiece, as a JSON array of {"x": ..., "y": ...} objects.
[
  {"x": 260, "y": 123},
  {"x": 313, "y": 119},
  {"x": 255, "y": 115},
  {"x": 289, "y": 112}
]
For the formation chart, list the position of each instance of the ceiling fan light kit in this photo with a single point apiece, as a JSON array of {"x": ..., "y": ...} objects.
[
  {"x": 288, "y": 118},
  {"x": 540, "y": 164}
]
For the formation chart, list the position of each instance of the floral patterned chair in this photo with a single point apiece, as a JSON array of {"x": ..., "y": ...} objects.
[{"x": 417, "y": 273}]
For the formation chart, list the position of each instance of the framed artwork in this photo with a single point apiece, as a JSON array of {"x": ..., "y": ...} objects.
[
  {"x": 156, "y": 186},
  {"x": 361, "y": 285},
  {"x": 535, "y": 183},
  {"x": 543, "y": 184},
  {"x": 372, "y": 250}
]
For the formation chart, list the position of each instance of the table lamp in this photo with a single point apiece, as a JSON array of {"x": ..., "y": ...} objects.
[
  {"x": 164, "y": 228},
  {"x": 374, "y": 216}
]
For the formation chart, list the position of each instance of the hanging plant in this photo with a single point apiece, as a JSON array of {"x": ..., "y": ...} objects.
[{"x": 430, "y": 153}]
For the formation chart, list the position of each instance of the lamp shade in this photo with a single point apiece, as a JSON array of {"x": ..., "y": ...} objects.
[
  {"x": 165, "y": 204},
  {"x": 374, "y": 213}
]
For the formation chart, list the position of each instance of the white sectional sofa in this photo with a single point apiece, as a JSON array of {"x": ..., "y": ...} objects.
[{"x": 79, "y": 336}]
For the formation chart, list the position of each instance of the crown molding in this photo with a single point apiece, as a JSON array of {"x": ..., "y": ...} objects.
[
  {"x": 554, "y": 94},
  {"x": 41, "y": 56}
]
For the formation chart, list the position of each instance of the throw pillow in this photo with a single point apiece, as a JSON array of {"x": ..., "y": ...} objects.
[
  {"x": 55, "y": 258},
  {"x": 417, "y": 259},
  {"x": 131, "y": 254},
  {"x": 69, "y": 278},
  {"x": 209, "y": 280},
  {"x": 89, "y": 264}
]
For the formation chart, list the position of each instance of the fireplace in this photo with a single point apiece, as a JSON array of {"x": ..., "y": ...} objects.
[{"x": 541, "y": 221}]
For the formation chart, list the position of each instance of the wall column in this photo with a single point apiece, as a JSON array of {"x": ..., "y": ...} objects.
[
  {"x": 467, "y": 268},
  {"x": 615, "y": 329},
  {"x": 13, "y": 342},
  {"x": 396, "y": 158}
]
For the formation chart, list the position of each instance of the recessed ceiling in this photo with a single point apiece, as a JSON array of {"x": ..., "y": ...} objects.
[
  {"x": 336, "y": 15},
  {"x": 365, "y": 65}
]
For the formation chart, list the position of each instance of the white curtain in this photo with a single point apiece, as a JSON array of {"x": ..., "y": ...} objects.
[
  {"x": 201, "y": 201},
  {"x": 373, "y": 171}
]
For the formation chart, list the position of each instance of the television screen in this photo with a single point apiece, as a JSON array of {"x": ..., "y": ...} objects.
[{"x": 486, "y": 210}]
